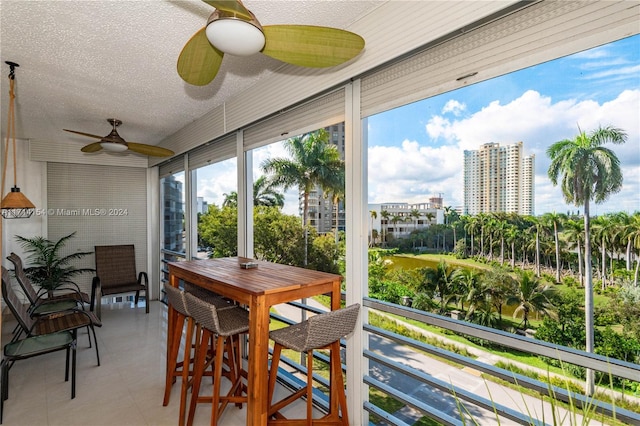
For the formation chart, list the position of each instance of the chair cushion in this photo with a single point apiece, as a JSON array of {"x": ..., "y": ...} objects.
[
  {"x": 65, "y": 321},
  {"x": 121, "y": 288},
  {"x": 37, "y": 345}
]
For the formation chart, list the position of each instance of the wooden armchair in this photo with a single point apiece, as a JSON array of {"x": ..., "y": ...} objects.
[{"x": 116, "y": 273}]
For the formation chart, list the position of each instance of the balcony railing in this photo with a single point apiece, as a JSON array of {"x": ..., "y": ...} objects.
[{"x": 453, "y": 396}]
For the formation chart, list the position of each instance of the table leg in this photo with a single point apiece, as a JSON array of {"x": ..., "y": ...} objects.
[
  {"x": 333, "y": 397},
  {"x": 257, "y": 381}
]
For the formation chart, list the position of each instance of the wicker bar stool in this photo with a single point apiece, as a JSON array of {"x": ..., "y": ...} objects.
[
  {"x": 322, "y": 331},
  {"x": 225, "y": 326},
  {"x": 175, "y": 368}
]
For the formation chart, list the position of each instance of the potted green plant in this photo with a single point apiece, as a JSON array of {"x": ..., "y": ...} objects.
[{"x": 48, "y": 268}]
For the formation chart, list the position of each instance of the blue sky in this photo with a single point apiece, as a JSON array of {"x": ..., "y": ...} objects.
[{"x": 416, "y": 150}]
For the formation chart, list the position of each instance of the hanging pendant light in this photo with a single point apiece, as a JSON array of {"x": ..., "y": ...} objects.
[{"x": 15, "y": 204}]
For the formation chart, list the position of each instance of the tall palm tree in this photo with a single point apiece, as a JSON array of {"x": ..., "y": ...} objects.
[
  {"x": 471, "y": 227},
  {"x": 395, "y": 219},
  {"x": 536, "y": 225},
  {"x": 555, "y": 220},
  {"x": 574, "y": 232},
  {"x": 385, "y": 226},
  {"x": 532, "y": 296},
  {"x": 374, "y": 216},
  {"x": 602, "y": 230},
  {"x": 588, "y": 171},
  {"x": 635, "y": 242},
  {"x": 313, "y": 162},
  {"x": 511, "y": 235}
]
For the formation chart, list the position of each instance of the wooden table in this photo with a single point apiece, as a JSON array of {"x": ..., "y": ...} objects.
[{"x": 259, "y": 288}]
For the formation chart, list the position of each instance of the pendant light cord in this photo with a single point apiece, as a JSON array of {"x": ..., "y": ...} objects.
[{"x": 11, "y": 129}]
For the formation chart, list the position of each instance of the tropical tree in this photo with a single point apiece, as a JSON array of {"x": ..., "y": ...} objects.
[
  {"x": 574, "y": 231},
  {"x": 511, "y": 236},
  {"x": 555, "y": 220},
  {"x": 602, "y": 230},
  {"x": 313, "y": 162},
  {"x": 531, "y": 295},
  {"x": 374, "y": 216},
  {"x": 440, "y": 281},
  {"x": 384, "y": 227},
  {"x": 264, "y": 194},
  {"x": 500, "y": 285},
  {"x": 230, "y": 199},
  {"x": 587, "y": 170},
  {"x": 471, "y": 227},
  {"x": 467, "y": 288}
]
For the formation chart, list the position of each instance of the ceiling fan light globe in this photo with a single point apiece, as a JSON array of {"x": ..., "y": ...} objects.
[
  {"x": 113, "y": 147},
  {"x": 235, "y": 36}
]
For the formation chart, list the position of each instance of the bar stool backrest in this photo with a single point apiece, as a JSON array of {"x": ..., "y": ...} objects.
[
  {"x": 204, "y": 313},
  {"x": 326, "y": 328},
  {"x": 176, "y": 299}
]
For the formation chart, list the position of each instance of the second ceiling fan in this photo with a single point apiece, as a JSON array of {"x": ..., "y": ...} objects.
[
  {"x": 233, "y": 29},
  {"x": 113, "y": 142}
]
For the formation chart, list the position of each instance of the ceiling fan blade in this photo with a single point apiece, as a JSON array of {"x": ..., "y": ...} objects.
[
  {"x": 154, "y": 151},
  {"x": 311, "y": 46},
  {"x": 83, "y": 134},
  {"x": 199, "y": 61},
  {"x": 92, "y": 147},
  {"x": 231, "y": 6}
]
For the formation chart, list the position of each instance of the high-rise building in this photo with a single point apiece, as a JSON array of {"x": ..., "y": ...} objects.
[
  {"x": 172, "y": 195},
  {"x": 498, "y": 179},
  {"x": 324, "y": 212}
]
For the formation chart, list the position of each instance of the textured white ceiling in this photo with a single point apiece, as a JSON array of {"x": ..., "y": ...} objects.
[{"x": 82, "y": 62}]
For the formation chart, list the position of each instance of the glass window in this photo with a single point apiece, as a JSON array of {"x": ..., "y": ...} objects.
[
  {"x": 300, "y": 181},
  {"x": 215, "y": 209}
]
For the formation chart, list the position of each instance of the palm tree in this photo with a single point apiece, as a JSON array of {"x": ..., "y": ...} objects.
[
  {"x": 265, "y": 194},
  {"x": 511, "y": 235},
  {"x": 602, "y": 233},
  {"x": 337, "y": 194},
  {"x": 374, "y": 216},
  {"x": 384, "y": 227},
  {"x": 466, "y": 284},
  {"x": 536, "y": 225},
  {"x": 574, "y": 231},
  {"x": 471, "y": 227},
  {"x": 230, "y": 199},
  {"x": 555, "y": 219},
  {"x": 532, "y": 296},
  {"x": 589, "y": 171},
  {"x": 440, "y": 280},
  {"x": 313, "y": 162},
  {"x": 635, "y": 238},
  {"x": 395, "y": 219}
]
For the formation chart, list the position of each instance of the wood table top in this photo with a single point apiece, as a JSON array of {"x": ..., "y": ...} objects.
[{"x": 265, "y": 278}]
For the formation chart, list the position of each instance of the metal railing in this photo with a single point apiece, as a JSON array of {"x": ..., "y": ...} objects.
[{"x": 456, "y": 393}]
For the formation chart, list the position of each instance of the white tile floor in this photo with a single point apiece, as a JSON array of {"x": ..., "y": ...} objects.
[{"x": 126, "y": 389}]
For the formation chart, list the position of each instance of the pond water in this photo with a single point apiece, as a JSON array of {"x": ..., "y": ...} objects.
[{"x": 404, "y": 262}]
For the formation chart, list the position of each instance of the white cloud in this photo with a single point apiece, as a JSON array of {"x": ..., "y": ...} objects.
[
  {"x": 454, "y": 107},
  {"x": 414, "y": 172}
]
